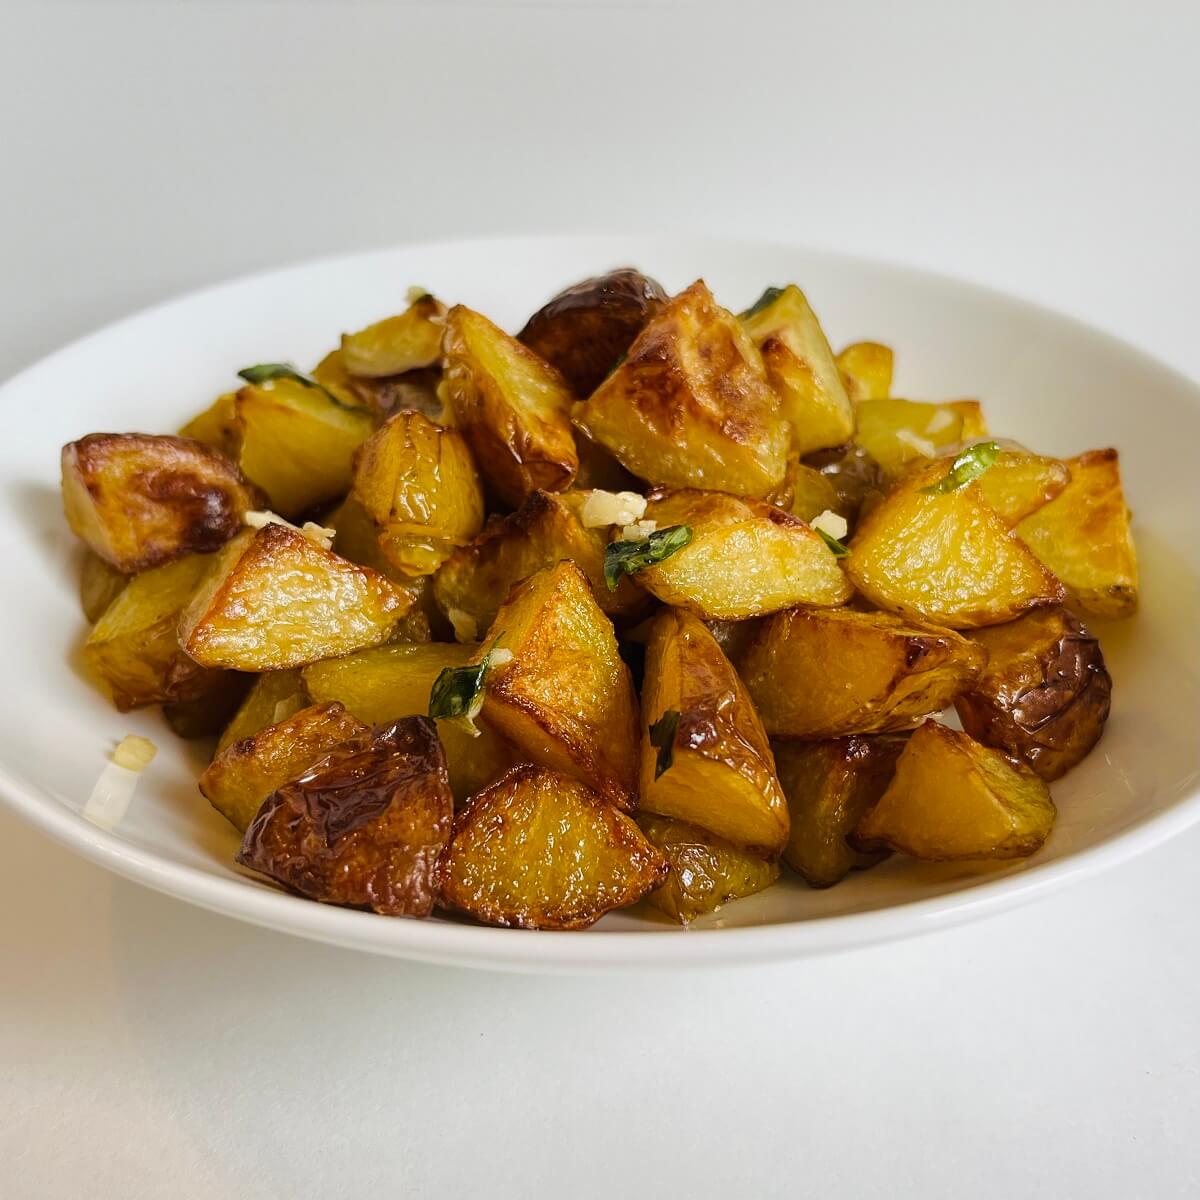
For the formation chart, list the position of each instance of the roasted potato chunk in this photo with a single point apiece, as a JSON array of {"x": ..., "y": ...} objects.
[
  {"x": 513, "y": 408},
  {"x": 381, "y": 685},
  {"x": 565, "y": 699},
  {"x": 418, "y": 485},
  {"x": 247, "y": 771},
  {"x": 816, "y": 673},
  {"x": 139, "y": 501},
  {"x": 134, "y": 647},
  {"x": 206, "y": 714},
  {"x": 801, "y": 369},
  {"x": 952, "y": 798},
  {"x": 704, "y": 753},
  {"x": 900, "y": 433},
  {"x": 1083, "y": 536},
  {"x": 406, "y": 342},
  {"x": 583, "y": 331},
  {"x": 857, "y": 479},
  {"x": 1019, "y": 483},
  {"x": 706, "y": 871},
  {"x": 540, "y": 850},
  {"x": 947, "y": 558},
  {"x": 690, "y": 404},
  {"x": 275, "y": 599},
  {"x": 475, "y": 581},
  {"x": 746, "y": 558},
  {"x": 866, "y": 369},
  {"x": 830, "y": 786},
  {"x": 217, "y": 426},
  {"x": 273, "y": 697},
  {"x": 364, "y": 826},
  {"x": 810, "y": 493},
  {"x": 1044, "y": 697},
  {"x": 99, "y": 585}
]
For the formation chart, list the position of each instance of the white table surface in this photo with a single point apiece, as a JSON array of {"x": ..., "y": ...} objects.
[{"x": 149, "y": 1049}]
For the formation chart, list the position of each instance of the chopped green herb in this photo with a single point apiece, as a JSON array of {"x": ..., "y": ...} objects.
[
  {"x": 662, "y": 737},
  {"x": 767, "y": 298},
  {"x": 624, "y": 558},
  {"x": 266, "y": 372},
  {"x": 970, "y": 464},
  {"x": 839, "y": 550},
  {"x": 457, "y": 693}
]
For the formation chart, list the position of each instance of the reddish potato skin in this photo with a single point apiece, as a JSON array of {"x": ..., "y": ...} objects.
[
  {"x": 586, "y": 328},
  {"x": 364, "y": 827}
]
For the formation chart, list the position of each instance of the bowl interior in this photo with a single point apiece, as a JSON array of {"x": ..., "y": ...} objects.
[{"x": 1045, "y": 380}]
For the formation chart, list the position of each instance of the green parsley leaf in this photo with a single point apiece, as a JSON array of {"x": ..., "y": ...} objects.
[
  {"x": 767, "y": 298},
  {"x": 625, "y": 558},
  {"x": 662, "y": 737},
  {"x": 839, "y": 550},
  {"x": 266, "y": 372},
  {"x": 457, "y": 693},
  {"x": 969, "y": 465}
]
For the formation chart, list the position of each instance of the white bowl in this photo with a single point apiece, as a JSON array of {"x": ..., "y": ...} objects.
[{"x": 1045, "y": 380}]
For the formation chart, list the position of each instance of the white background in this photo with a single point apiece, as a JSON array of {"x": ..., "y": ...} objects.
[{"x": 148, "y": 1049}]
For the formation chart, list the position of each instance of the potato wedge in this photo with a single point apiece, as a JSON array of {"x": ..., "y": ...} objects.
[
  {"x": 513, "y": 408},
  {"x": 540, "y": 850},
  {"x": 99, "y": 585},
  {"x": 275, "y": 599},
  {"x": 746, "y": 558},
  {"x": 830, "y": 786},
  {"x": 565, "y": 699},
  {"x": 273, "y": 697},
  {"x": 690, "y": 405},
  {"x": 364, "y": 826},
  {"x": 475, "y": 581},
  {"x": 1019, "y": 483},
  {"x": 247, "y": 771},
  {"x": 1083, "y": 536},
  {"x": 417, "y": 483},
  {"x": 381, "y": 685},
  {"x": 857, "y": 479},
  {"x": 947, "y": 558},
  {"x": 406, "y": 342},
  {"x": 898, "y": 434},
  {"x": 139, "y": 501},
  {"x": 217, "y": 426},
  {"x": 1044, "y": 697},
  {"x": 584, "y": 330},
  {"x": 704, "y": 753},
  {"x": 866, "y": 369},
  {"x": 801, "y": 369},
  {"x": 952, "y": 798},
  {"x": 815, "y": 673},
  {"x": 706, "y": 872}
]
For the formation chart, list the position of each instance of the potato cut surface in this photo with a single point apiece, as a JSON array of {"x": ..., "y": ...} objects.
[
  {"x": 866, "y": 369},
  {"x": 1019, "y": 483},
  {"x": 406, "y": 342},
  {"x": 900, "y": 433}
]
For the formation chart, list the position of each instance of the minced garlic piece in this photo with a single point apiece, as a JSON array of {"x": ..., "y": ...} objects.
[
  {"x": 612, "y": 508},
  {"x": 500, "y": 658},
  {"x": 835, "y": 525},
  {"x": 942, "y": 419},
  {"x": 915, "y": 442},
  {"x": 637, "y": 531},
  {"x": 113, "y": 790},
  {"x": 134, "y": 753},
  {"x": 319, "y": 535},
  {"x": 415, "y": 293},
  {"x": 466, "y": 628}
]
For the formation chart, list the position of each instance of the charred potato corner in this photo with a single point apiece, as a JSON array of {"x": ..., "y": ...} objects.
[{"x": 656, "y": 603}]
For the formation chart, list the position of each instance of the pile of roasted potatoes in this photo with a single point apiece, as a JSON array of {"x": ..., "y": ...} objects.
[{"x": 639, "y": 604}]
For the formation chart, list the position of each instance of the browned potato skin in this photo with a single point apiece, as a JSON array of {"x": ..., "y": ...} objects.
[
  {"x": 364, "y": 826},
  {"x": 206, "y": 714},
  {"x": 139, "y": 500},
  {"x": 584, "y": 330},
  {"x": 540, "y": 850},
  {"x": 1044, "y": 697},
  {"x": 830, "y": 786},
  {"x": 854, "y": 474},
  {"x": 825, "y": 673},
  {"x": 247, "y": 771}
]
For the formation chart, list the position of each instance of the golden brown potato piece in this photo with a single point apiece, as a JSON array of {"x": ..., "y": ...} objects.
[
  {"x": 475, "y": 581},
  {"x": 273, "y": 697},
  {"x": 417, "y": 484},
  {"x": 866, "y": 369},
  {"x": 811, "y": 493},
  {"x": 134, "y": 646},
  {"x": 705, "y": 757},
  {"x": 514, "y": 409},
  {"x": 217, "y": 426},
  {"x": 99, "y": 585},
  {"x": 801, "y": 368},
  {"x": 830, "y": 786},
  {"x": 947, "y": 558},
  {"x": 706, "y": 871},
  {"x": 381, "y": 685},
  {"x": 690, "y": 405},
  {"x": 746, "y": 558},
  {"x": 565, "y": 699},
  {"x": 139, "y": 501},
  {"x": 247, "y": 771},
  {"x": 1019, "y": 483},
  {"x": 275, "y": 599},
  {"x": 1083, "y": 536},
  {"x": 952, "y": 798},
  {"x": 1044, "y": 697},
  {"x": 584, "y": 330},
  {"x": 540, "y": 850},
  {"x": 816, "y": 673},
  {"x": 857, "y": 479},
  {"x": 406, "y": 342},
  {"x": 364, "y": 826},
  {"x": 900, "y": 433}
]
